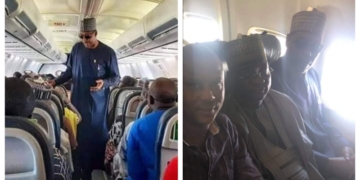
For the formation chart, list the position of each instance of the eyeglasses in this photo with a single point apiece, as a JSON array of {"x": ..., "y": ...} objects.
[
  {"x": 263, "y": 74},
  {"x": 86, "y": 36}
]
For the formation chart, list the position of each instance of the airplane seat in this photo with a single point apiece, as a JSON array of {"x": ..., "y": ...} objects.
[
  {"x": 146, "y": 110},
  {"x": 59, "y": 99},
  {"x": 166, "y": 142},
  {"x": 142, "y": 110},
  {"x": 112, "y": 97},
  {"x": 272, "y": 47},
  {"x": 118, "y": 105},
  {"x": 139, "y": 109},
  {"x": 138, "y": 83},
  {"x": 48, "y": 120},
  {"x": 28, "y": 153},
  {"x": 58, "y": 108},
  {"x": 130, "y": 105}
]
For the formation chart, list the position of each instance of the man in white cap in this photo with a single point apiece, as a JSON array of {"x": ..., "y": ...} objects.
[
  {"x": 294, "y": 76},
  {"x": 93, "y": 68},
  {"x": 269, "y": 121}
]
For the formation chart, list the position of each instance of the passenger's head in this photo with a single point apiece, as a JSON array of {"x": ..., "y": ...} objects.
[
  {"x": 50, "y": 77},
  {"x": 162, "y": 94},
  {"x": 304, "y": 41},
  {"x": 17, "y": 74},
  {"x": 62, "y": 93},
  {"x": 19, "y": 98},
  {"x": 23, "y": 77},
  {"x": 203, "y": 84},
  {"x": 127, "y": 81},
  {"x": 249, "y": 73},
  {"x": 88, "y": 33}
]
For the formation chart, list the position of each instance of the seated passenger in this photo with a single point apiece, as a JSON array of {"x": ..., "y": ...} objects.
[
  {"x": 23, "y": 77},
  {"x": 294, "y": 76},
  {"x": 142, "y": 137},
  {"x": 127, "y": 81},
  {"x": 115, "y": 136},
  {"x": 120, "y": 166},
  {"x": 212, "y": 147},
  {"x": 71, "y": 119},
  {"x": 268, "y": 120},
  {"x": 20, "y": 101},
  {"x": 17, "y": 74}
]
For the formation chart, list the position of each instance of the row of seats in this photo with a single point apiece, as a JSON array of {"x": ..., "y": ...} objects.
[{"x": 34, "y": 141}]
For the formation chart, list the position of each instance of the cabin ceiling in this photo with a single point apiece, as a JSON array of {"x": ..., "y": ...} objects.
[{"x": 113, "y": 17}]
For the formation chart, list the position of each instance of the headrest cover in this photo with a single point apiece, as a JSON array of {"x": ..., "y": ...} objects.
[
  {"x": 312, "y": 21},
  {"x": 248, "y": 48},
  {"x": 62, "y": 94},
  {"x": 272, "y": 47},
  {"x": 42, "y": 91},
  {"x": 88, "y": 24}
]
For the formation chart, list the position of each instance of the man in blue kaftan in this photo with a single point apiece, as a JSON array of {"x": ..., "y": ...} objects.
[{"x": 93, "y": 68}]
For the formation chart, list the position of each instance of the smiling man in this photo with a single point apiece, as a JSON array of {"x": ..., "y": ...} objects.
[
  {"x": 268, "y": 120},
  {"x": 93, "y": 68},
  {"x": 295, "y": 77},
  {"x": 212, "y": 147}
]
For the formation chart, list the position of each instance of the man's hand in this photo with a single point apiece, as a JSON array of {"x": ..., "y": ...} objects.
[
  {"x": 99, "y": 85},
  {"x": 342, "y": 168},
  {"x": 51, "y": 82}
]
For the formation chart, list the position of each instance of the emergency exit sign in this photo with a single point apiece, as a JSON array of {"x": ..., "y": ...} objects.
[{"x": 59, "y": 23}]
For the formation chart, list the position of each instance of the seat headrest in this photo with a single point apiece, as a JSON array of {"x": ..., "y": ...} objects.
[
  {"x": 45, "y": 106},
  {"x": 42, "y": 90},
  {"x": 272, "y": 47},
  {"x": 164, "y": 120},
  {"x": 140, "y": 108},
  {"x": 38, "y": 134}
]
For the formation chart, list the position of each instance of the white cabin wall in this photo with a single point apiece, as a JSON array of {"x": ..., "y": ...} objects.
[
  {"x": 172, "y": 66},
  {"x": 149, "y": 69},
  {"x": 271, "y": 14},
  {"x": 52, "y": 69},
  {"x": 15, "y": 63},
  {"x": 209, "y": 9}
]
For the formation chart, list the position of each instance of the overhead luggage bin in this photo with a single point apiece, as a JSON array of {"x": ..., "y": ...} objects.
[{"x": 156, "y": 29}]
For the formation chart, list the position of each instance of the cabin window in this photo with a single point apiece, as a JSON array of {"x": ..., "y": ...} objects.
[
  {"x": 280, "y": 36},
  {"x": 198, "y": 28},
  {"x": 340, "y": 79}
]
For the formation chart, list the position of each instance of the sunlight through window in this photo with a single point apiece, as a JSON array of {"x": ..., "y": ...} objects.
[
  {"x": 340, "y": 82},
  {"x": 199, "y": 28}
]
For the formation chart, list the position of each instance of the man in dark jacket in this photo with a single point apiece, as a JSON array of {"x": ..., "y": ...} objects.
[{"x": 212, "y": 147}]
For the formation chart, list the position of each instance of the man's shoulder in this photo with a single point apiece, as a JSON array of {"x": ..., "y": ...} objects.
[
  {"x": 106, "y": 47},
  {"x": 274, "y": 94},
  {"x": 154, "y": 115},
  {"x": 281, "y": 100},
  {"x": 78, "y": 45},
  {"x": 224, "y": 122}
]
